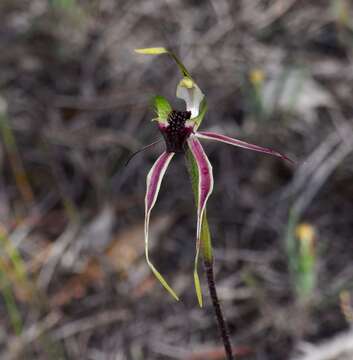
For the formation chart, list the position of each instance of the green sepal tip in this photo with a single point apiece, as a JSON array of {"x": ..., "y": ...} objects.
[{"x": 152, "y": 51}]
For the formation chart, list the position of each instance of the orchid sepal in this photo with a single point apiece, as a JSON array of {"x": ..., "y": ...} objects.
[
  {"x": 152, "y": 51},
  {"x": 208, "y": 135},
  {"x": 163, "y": 50},
  {"x": 204, "y": 190},
  {"x": 187, "y": 89},
  {"x": 153, "y": 184}
]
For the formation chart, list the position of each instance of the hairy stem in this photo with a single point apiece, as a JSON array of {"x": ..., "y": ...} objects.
[
  {"x": 222, "y": 325},
  {"x": 206, "y": 248}
]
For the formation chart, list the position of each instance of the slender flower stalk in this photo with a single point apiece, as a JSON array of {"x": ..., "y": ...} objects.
[{"x": 180, "y": 132}]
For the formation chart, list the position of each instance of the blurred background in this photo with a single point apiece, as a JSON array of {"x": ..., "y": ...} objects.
[{"x": 74, "y": 104}]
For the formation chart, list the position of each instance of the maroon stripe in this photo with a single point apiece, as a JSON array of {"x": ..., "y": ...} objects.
[
  {"x": 240, "y": 143},
  {"x": 154, "y": 178},
  {"x": 205, "y": 177}
]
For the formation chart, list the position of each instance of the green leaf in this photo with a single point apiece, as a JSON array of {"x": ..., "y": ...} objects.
[
  {"x": 152, "y": 51},
  {"x": 162, "y": 108}
]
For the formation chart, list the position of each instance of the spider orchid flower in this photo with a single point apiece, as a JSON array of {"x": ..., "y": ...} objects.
[{"x": 180, "y": 132}]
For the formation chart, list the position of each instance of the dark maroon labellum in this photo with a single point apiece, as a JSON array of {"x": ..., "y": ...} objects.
[{"x": 176, "y": 133}]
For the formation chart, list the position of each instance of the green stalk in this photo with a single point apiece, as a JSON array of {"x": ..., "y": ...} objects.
[
  {"x": 207, "y": 255},
  {"x": 10, "y": 251}
]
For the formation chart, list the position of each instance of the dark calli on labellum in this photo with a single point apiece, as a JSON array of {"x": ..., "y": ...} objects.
[{"x": 175, "y": 133}]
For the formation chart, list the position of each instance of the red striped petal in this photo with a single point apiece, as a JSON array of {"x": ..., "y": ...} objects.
[
  {"x": 154, "y": 180},
  {"x": 228, "y": 140}
]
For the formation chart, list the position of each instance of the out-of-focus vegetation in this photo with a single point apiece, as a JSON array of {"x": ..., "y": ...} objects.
[{"x": 74, "y": 104}]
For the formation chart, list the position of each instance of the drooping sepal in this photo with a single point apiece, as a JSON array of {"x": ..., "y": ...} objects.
[
  {"x": 235, "y": 142},
  {"x": 154, "y": 180},
  {"x": 163, "y": 50},
  {"x": 162, "y": 109},
  {"x": 205, "y": 187}
]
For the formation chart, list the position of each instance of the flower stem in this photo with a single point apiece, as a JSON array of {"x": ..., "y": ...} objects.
[
  {"x": 222, "y": 325},
  {"x": 206, "y": 248}
]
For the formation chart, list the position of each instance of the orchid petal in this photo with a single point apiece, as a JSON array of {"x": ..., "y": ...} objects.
[
  {"x": 228, "y": 140},
  {"x": 188, "y": 91},
  {"x": 205, "y": 187},
  {"x": 154, "y": 180}
]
